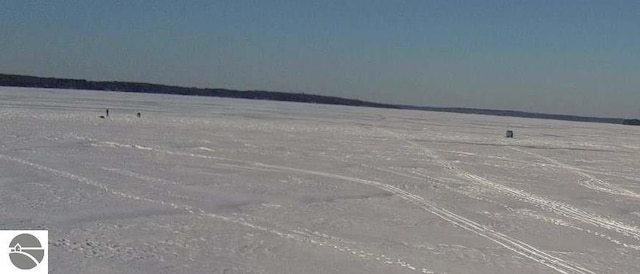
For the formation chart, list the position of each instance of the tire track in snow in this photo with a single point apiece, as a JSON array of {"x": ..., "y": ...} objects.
[
  {"x": 512, "y": 244},
  {"x": 295, "y": 235},
  {"x": 592, "y": 182},
  {"x": 586, "y": 170},
  {"x": 163, "y": 182},
  {"x": 539, "y": 201},
  {"x": 560, "y": 222},
  {"x": 342, "y": 246},
  {"x": 140, "y": 176}
]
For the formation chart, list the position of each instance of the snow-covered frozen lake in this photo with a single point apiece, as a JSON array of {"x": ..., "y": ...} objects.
[{"x": 210, "y": 185}]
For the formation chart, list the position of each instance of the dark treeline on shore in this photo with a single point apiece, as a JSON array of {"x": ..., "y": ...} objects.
[
  {"x": 513, "y": 113},
  {"x": 42, "y": 82}
]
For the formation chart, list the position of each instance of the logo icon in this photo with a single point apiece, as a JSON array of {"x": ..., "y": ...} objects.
[{"x": 26, "y": 251}]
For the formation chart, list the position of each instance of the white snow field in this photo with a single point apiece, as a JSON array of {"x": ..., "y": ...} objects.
[{"x": 210, "y": 185}]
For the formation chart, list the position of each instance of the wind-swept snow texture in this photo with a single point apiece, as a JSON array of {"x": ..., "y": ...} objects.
[{"x": 210, "y": 185}]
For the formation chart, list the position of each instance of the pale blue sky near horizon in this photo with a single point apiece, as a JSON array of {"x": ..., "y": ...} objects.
[{"x": 568, "y": 57}]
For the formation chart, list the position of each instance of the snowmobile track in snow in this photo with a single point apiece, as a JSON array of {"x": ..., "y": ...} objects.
[
  {"x": 510, "y": 243},
  {"x": 592, "y": 182},
  {"x": 296, "y": 235},
  {"x": 547, "y": 204}
]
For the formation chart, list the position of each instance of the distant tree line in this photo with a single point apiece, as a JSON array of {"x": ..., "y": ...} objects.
[
  {"x": 41, "y": 82},
  {"x": 631, "y": 122},
  {"x": 513, "y": 113}
]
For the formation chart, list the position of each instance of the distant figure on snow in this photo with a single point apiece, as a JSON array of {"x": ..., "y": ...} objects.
[
  {"x": 138, "y": 114},
  {"x": 107, "y": 112}
]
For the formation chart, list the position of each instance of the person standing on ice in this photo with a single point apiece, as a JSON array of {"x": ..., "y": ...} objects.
[{"x": 107, "y": 112}]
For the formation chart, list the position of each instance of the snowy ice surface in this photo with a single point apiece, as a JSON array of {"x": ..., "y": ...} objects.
[{"x": 210, "y": 185}]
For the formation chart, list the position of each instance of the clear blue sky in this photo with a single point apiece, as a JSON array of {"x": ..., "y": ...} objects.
[{"x": 575, "y": 57}]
